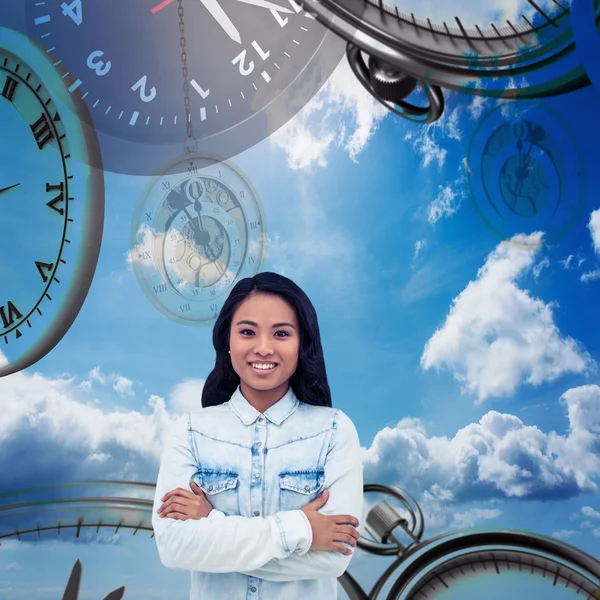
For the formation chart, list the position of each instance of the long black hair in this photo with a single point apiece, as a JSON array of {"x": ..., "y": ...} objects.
[{"x": 309, "y": 380}]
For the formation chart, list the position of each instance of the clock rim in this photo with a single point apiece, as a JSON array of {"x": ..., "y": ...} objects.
[
  {"x": 77, "y": 131},
  {"x": 135, "y": 224}
]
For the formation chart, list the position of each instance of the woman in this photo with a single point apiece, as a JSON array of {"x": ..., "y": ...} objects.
[{"x": 259, "y": 492}]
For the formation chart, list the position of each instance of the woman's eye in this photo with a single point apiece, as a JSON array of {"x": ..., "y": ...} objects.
[
  {"x": 285, "y": 333},
  {"x": 245, "y": 331}
]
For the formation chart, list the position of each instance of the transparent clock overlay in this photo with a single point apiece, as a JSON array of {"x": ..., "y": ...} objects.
[
  {"x": 195, "y": 235},
  {"x": 250, "y": 68},
  {"x": 525, "y": 172},
  {"x": 52, "y": 206}
]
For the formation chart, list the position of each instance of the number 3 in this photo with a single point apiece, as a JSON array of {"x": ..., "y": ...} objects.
[{"x": 101, "y": 67}]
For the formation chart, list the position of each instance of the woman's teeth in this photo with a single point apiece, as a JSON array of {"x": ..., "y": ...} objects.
[{"x": 262, "y": 367}]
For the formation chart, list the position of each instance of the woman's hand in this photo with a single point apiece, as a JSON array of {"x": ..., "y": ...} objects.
[
  {"x": 328, "y": 530},
  {"x": 182, "y": 505}
]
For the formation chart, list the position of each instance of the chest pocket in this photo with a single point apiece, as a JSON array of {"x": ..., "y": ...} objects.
[
  {"x": 298, "y": 488},
  {"x": 221, "y": 489}
]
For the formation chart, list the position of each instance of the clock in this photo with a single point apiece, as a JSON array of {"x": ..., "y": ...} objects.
[
  {"x": 198, "y": 228},
  {"x": 52, "y": 203},
  {"x": 526, "y": 172},
  {"x": 239, "y": 68}
]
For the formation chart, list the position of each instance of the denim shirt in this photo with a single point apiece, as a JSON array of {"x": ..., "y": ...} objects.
[{"x": 258, "y": 470}]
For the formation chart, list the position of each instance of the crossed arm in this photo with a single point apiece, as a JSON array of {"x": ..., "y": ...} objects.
[{"x": 273, "y": 547}]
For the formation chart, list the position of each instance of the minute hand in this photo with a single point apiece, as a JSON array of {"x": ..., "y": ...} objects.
[
  {"x": 265, "y": 4},
  {"x": 214, "y": 8}
]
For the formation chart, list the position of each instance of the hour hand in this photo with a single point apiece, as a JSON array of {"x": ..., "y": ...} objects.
[
  {"x": 214, "y": 8},
  {"x": 10, "y": 187}
]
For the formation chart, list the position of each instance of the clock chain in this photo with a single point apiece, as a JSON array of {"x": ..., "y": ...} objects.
[{"x": 190, "y": 142}]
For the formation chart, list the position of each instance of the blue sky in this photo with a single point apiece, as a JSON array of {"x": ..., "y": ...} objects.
[{"x": 468, "y": 366}]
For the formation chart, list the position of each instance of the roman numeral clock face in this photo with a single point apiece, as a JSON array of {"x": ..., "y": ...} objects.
[
  {"x": 197, "y": 230},
  {"x": 250, "y": 65},
  {"x": 50, "y": 201}
]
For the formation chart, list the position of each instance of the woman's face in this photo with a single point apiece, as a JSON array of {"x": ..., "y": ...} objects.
[{"x": 264, "y": 341}]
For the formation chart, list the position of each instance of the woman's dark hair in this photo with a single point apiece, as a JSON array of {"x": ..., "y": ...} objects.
[{"x": 309, "y": 381}]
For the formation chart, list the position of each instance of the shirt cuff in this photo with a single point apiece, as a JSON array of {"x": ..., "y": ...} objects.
[
  {"x": 303, "y": 550},
  {"x": 216, "y": 513},
  {"x": 294, "y": 529}
]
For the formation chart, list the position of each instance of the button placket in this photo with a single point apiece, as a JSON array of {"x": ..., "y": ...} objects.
[
  {"x": 257, "y": 472},
  {"x": 256, "y": 485}
]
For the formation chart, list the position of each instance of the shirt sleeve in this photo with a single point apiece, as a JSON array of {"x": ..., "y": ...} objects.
[
  {"x": 344, "y": 480},
  {"x": 216, "y": 545}
]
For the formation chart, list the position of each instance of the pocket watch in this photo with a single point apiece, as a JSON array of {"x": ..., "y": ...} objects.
[
  {"x": 198, "y": 228},
  {"x": 250, "y": 66},
  {"x": 52, "y": 203}
]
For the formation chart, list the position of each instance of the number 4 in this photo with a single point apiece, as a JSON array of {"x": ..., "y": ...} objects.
[{"x": 73, "y": 10}]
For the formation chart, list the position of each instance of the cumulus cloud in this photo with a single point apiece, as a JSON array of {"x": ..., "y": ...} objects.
[
  {"x": 341, "y": 115},
  {"x": 594, "y": 227},
  {"x": 123, "y": 386},
  {"x": 54, "y": 428},
  {"x": 427, "y": 141},
  {"x": 186, "y": 396},
  {"x": 446, "y": 203},
  {"x": 499, "y": 457},
  {"x": 497, "y": 336}
]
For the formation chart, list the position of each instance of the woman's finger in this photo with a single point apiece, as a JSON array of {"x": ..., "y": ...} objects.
[
  {"x": 177, "y": 492},
  {"x": 341, "y": 549},
  {"x": 176, "y": 515},
  {"x": 344, "y": 537}
]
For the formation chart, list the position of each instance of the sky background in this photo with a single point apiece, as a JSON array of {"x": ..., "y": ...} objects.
[{"x": 469, "y": 366}]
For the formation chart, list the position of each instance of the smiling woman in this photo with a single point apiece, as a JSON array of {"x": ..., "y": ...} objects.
[{"x": 242, "y": 481}]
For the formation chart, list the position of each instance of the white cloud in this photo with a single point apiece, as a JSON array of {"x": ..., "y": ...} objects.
[
  {"x": 123, "y": 386},
  {"x": 588, "y": 511},
  {"x": 427, "y": 140},
  {"x": 342, "y": 114},
  {"x": 537, "y": 269},
  {"x": 498, "y": 457},
  {"x": 96, "y": 375},
  {"x": 446, "y": 203},
  {"x": 563, "y": 534},
  {"x": 497, "y": 336},
  {"x": 594, "y": 227},
  {"x": 419, "y": 245},
  {"x": 186, "y": 395},
  {"x": 590, "y": 275},
  {"x": 52, "y": 426}
]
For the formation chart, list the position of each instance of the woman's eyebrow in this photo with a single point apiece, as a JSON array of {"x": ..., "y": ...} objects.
[{"x": 253, "y": 324}]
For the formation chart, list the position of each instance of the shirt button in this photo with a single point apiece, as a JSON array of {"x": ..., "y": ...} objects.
[
  {"x": 259, "y": 443},
  {"x": 256, "y": 513},
  {"x": 260, "y": 419},
  {"x": 256, "y": 475},
  {"x": 210, "y": 488},
  {"x": 306, "y": 488},
  {"x": 252, "y": 589}
]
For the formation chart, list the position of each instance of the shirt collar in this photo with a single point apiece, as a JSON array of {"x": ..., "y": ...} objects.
[{"x": 277, "y": 414}]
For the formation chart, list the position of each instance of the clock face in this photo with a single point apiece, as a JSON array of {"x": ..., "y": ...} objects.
[
  {"x": 52, "y": 206},
  {"x": 249, "y": 66},
  {"x": 198, "y": 229},
  {"x": 526, "y": 172}
]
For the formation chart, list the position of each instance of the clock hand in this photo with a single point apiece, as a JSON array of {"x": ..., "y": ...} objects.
[
  {"x": 214, "y": 8},
  {"x": 265, "y": 4},
  {"x": 160, "y": 6},
  {"x": 10, "y": 187},
  {"x": 72, "y": 589}
]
